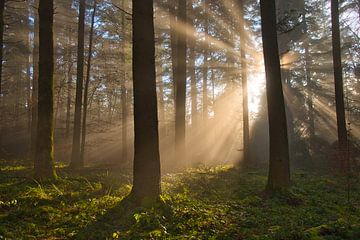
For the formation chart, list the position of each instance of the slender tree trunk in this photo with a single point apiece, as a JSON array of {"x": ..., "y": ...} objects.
[
  {"x": 205, "y": 66},
  {"x": 123, "y": 96},
  {"x": 279, "y": 167},
  {"x": 87, "y": 81},
  {"x": 69, "y": 83},
  {"x": 35, "y": 88},
  {"x": 192, "y": 73},
  {"x": 173, "y": 41},
  {"x": 339, "y": 88},
  {"x": 76, "y": 161},
  {"x": 146, "y": 184},
  {"x": 243, "y": 45},
  {"x": 2, "y": 8},
  {"x": 44, "y": 161},
  {"x": 192, "y": 70},
  {"x": 180, "y": 90}
]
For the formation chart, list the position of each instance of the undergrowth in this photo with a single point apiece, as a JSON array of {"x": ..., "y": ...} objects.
[{"x": 206, "y": 203}]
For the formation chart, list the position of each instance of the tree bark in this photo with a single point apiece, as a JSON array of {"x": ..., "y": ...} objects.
[
  {"x": 173, "y": 41},
  {"x": 124, "y": 111},
  {"x": 34, "y": 96},
  {"x": 76, "y": 161},
  {"x": 87, "y": 81},
  {"x": 205, "y": 65},
  {"x": 180, "y": 81},
  {"x": 44, "y": 160},
  {"x": 146, "y": 183},
  {"x": 339, "y": 88},
  {"x": 2, "y": 8},
  {"x": 243, "y": 45},
  {"x": 279, "y": 166}
]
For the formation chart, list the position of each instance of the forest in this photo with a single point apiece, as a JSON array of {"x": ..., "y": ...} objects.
[{"x": 180, "y": 119}]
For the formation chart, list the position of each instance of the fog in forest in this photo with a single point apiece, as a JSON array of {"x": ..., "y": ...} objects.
[{"x": 216, "y": 79}]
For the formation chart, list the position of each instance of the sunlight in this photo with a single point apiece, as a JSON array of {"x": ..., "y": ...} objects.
[{"x": 256, "y": 87}]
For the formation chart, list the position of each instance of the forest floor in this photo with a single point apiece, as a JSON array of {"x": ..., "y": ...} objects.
[{"x": 206, "y": 203}]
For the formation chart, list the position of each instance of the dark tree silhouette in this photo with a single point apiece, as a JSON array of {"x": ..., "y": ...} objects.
[
  {"x": 338, "y": 78},
  {"x": 279, "y": 169},
  {"x": 87, "y": 81},
  {"x": 44, "y": 157},
  {"x": 246, "y": 131},
  {"x": 2, "y": 8},
  {"x": 180, "y": 84},
  {"x": 146, "y": 184},
  {"x": 76, "y": 161}
]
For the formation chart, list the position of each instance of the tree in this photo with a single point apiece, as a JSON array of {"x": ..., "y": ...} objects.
[
  {"x": 246, "y": 131},
  {"x": 87, "y": 81},
  {"x": 146, "y": 182},
  {"x": 338, "y": 78},
  {"x": 205, "y": 65},
  {"x": 279, "y": 166},
  {"x": 180, "y": 83},
  {"x": 76, "y": 161},
  {"x": 2, "y": 8},
  {"x": 123, "y": 90},
  {"x": 44, "y": 158}
]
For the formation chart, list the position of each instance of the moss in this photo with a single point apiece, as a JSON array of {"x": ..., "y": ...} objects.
[{"x": 204, "y": 203}]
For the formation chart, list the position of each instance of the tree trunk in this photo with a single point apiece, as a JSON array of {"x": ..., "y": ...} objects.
[
  {"x": 123, "y": 96},
  {"x": 205, "y": 65},
  {"x": 2, "y": 8},
  {"x": 87, "y": 81},
  {"x": 180, "y": 81},
  {"x": 339, "y": 89},
  {"x": 192, "y": 73},
  {"x": 35, "y": 86},
  {"x": 279, "y": 167},
  {"x": 173, "y": 41},
  {"x": 146, "y": 183},
  {"x": 69, "y": 83},
  {"x": 243, "y": 45},
  {"x": 76, "y": 161},
  {"x": 44, "y": 160}
]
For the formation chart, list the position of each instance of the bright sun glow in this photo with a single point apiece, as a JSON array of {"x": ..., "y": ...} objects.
[{"x": 256, "y": 88}]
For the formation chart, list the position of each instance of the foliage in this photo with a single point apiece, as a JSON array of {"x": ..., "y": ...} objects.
[{"x": 206, "y": 203}]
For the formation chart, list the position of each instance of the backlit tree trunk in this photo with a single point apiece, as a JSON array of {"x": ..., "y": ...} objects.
[
  {"x": 44, "y": 157},
  {"x": 339, "y": 89},
  {"x": 279, "y": 167},
  {"x": 2, "y": 8},
  {"x": 146, "y": 183},
  {"x": 76, "y": 161},
  {"x": 86, "y": 89},
  {"x": 180, "y": 81},
  {"x": 246, "y": 131}
]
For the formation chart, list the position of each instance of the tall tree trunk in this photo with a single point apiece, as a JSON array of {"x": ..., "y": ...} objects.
[
  {"x": 205, "y": 65},
  {"x": 35, "y": 85},
  {"x": 44, "y": 161},
  {"x": 2, "y": 8},
  {"x": 192, "y": 73},
  {"x": 123, "y": 96},
  {"x": 69, "y": 83},
  {"x": 180, "y": 90},
  {"x": 76, "y": 161},
  {"x": 339, "y": 89},
  {"x": 243, "y": 45},
  {"x": 146, "y": 183},
  {"x": 279, "y": 166},
  {"x": 173, "y": 41},
  {"x": 87, "y": 81}
]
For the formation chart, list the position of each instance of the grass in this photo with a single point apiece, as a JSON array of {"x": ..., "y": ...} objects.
[{"x": 206, "y": 203}]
